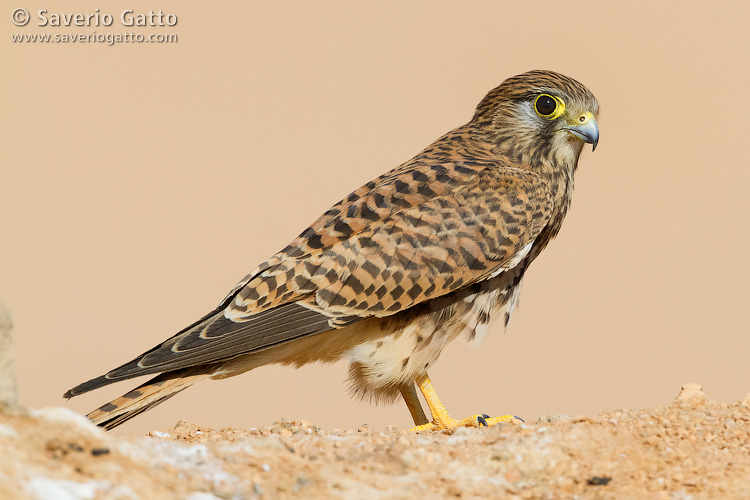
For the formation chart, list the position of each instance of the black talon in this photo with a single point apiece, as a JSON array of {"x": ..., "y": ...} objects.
[
  {"x": 482, "y": 420},
  {"x": 485, "y": 415},
  {"x": 519, "y": 418}
]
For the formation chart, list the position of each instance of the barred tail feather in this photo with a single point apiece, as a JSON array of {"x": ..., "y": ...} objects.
[{"x": 146, "y": 396}]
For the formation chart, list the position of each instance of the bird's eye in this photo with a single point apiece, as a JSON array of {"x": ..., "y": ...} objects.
[{"x": 548, "y": 106}]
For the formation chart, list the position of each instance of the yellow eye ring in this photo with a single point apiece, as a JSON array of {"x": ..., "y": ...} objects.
[{"x": 549, "y": 106}]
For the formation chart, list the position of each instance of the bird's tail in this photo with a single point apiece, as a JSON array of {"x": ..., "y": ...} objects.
[{"x": 146, "y": 396}]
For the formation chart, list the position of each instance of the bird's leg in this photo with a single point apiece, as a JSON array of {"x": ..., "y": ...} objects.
[
  {"x": 440, "y": 418},
  {"x": 409, "y": 393}
]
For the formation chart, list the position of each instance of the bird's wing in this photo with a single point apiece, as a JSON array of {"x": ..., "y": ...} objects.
[
  {"x": 213, "y": 339},
  {"x": 416, "y": 233},
  {"x": 407, "y": 237}
]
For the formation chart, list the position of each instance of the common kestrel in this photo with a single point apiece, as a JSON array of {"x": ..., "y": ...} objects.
[{"x": 391, "y": 274}]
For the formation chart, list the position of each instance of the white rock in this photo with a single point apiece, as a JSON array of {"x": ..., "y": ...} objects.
[{"x": 60, "y": 415}]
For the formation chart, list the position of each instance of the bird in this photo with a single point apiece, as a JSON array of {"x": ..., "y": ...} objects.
[{"x": 428, "y": 252}]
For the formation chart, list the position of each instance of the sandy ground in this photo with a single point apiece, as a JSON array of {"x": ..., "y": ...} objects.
[{"x": 693, "y": 448}]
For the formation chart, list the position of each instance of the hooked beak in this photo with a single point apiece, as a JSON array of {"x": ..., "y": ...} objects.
[{"x": 586, "y": 129}]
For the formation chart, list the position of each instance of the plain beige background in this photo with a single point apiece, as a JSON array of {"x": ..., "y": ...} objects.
[{"x": 140, "y": 182}]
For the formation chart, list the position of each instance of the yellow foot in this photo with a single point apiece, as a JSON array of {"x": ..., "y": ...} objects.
[
  {"x": 440, "y": 418},
  {"x": 450, "y": 423}
]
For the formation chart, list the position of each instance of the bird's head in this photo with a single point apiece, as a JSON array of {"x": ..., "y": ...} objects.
[{"x": 539, "y": 117}]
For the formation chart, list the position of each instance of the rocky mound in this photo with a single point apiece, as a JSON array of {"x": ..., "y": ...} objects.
[{"x": 692, "y": 448}]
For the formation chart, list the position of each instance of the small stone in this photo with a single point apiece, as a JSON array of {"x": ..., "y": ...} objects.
[
  {"x": 598, "y": 480},
  {"x": 691, "y": 393},
  {"x": 513, "y": 474},
  {"x": 553, "y": 417}
]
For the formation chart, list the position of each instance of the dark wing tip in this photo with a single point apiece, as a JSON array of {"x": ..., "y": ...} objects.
[{"x": 92, "y": 384}]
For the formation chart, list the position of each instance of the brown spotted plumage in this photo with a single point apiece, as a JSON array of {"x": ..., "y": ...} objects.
[{"x": 390, "y": 275}]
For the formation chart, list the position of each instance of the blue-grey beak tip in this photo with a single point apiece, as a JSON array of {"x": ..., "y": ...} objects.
[{"x": 587, "y": 132}]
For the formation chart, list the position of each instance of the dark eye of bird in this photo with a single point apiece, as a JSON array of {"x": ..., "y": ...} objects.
[{"x": 545, "y": 105}]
